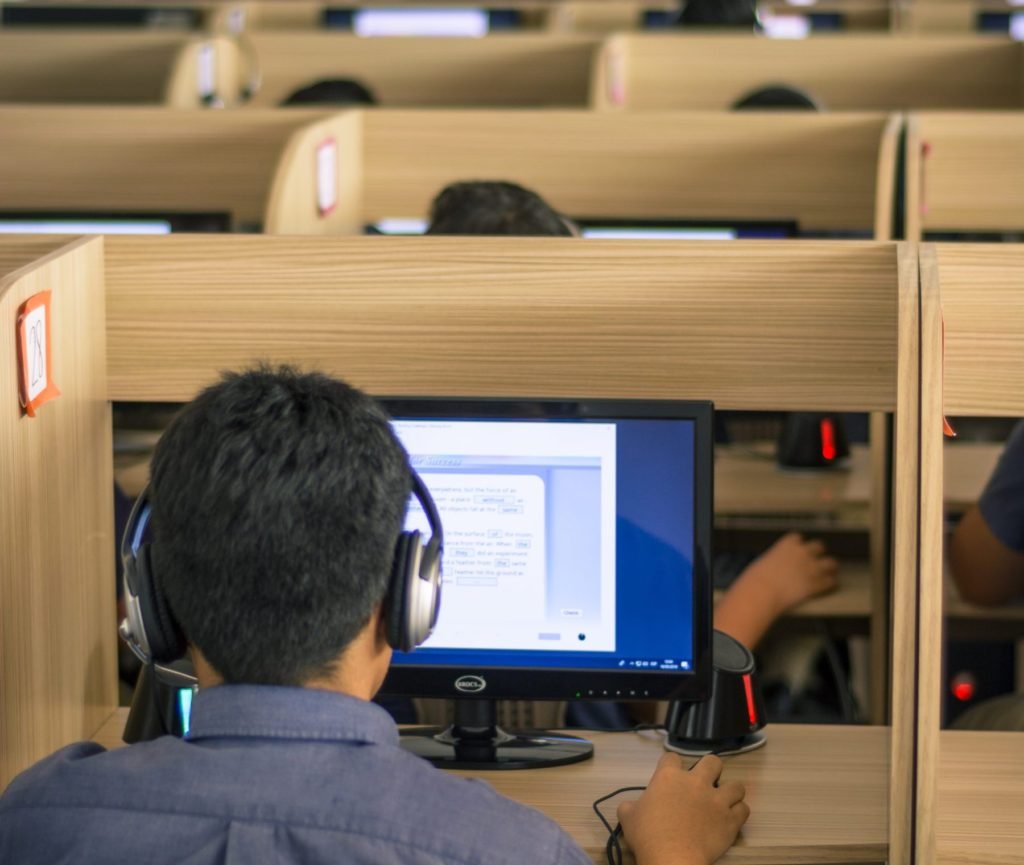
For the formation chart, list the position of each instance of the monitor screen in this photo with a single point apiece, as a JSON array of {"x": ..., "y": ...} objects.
[
  {"x": 100, "y": 222},
  {"x": 399, "y": 226},
  {"x": 84, "y": 226},
  {"x": 577, "y": 536},
  {"x": 420, "y": 22},
  {"x": 636, "y": 229}
]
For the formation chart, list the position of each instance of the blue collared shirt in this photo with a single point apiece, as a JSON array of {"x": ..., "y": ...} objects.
[{"x": 267, "y": 775}]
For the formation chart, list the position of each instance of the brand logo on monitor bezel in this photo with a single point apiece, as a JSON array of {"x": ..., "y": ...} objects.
[{"x": 470, "y": 684}]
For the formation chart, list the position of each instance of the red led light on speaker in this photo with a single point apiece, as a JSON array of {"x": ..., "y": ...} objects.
[
  {"x": 828, "y": 440},
  {"x": 748, "y": 687},
  {"x": 963, "y": 687}
]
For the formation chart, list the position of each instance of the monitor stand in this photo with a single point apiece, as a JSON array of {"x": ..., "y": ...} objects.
[{"x": 475, "y": 741}]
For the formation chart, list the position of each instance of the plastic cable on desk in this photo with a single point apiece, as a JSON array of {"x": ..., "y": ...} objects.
[{"x": 613, "y": 849}]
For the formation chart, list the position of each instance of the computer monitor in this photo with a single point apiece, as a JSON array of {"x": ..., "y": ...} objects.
[
  {"x": 86, "y": 222},
  {"x": 577, "y": 538},
  {"x": 1002, "y": 22},
  {"x": 646, "y": 229},
  {"x": 426, "y": 21},
  {"x": 398, "y": 226}
]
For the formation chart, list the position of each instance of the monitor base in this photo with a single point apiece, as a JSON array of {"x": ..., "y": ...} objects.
[{"x": 493, "y": 748}]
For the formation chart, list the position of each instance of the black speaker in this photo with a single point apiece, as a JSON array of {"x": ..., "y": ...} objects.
[
  {"x": 730, "y": 722},
  {"x": 812, "y": 441}
]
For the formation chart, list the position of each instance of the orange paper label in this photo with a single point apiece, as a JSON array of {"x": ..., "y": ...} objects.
[{"x": 35, "y": 367}]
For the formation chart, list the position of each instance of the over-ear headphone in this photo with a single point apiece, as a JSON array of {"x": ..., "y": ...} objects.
[{"x": 411, "y": 605}]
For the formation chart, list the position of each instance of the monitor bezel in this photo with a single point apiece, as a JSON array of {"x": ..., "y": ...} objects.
[{"x": 540, "y": 683}]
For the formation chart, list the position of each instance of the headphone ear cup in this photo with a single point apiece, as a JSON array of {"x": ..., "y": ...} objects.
[
  {"x": 402, "y": 571},
  {"x": 166, "y": 641}
]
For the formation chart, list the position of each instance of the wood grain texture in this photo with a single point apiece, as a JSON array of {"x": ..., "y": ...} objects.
[
  {"x": 143, "y": 159},
  {"x": 930, "y": 592},
  {"x": 981, "y": 799},
  {"x": 183, "y": 83},
  {"x": 18, "y": 251},
  {"x": 905, "y": 521},
  {"x": 826, "y": 171},
  {"x": 99, "y": 66},
  {"x": 857, "y": 15},
  {"x": 799, "y": 813},
  {"x": 847, "y": 72},
  {"x": 292, "y": 206},
  {"x": 58, "y": 664},
  {"x": 972, "y": 176},
  {"x": 543, "y": 316},
  {"x": 983, "y": 312},
  {"x": 499, "y": 71}
]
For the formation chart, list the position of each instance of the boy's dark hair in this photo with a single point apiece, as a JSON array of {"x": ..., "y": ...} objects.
[
  {"x": 332, "y": 91},
  {"x": 492, "y": 207},
  {"x": 776, "y": 97},
  {"x": 719, "y": 13},
  {"x": 277, "y": 501}
]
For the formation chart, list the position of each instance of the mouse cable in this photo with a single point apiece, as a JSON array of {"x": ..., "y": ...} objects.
[{"x": 613, "y": 849}]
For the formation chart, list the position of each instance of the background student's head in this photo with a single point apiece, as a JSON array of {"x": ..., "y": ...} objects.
[
  {"x": 719, "y": 13},
  {"x": 495, "y": 208},
  {"x": 277, "y": 500},
  {"x": 332, "y": 91}
]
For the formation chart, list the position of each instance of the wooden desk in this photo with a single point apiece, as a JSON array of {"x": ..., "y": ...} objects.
[
  {"x": 981, "y": 798},
  {"x": 817, "y": 793}
]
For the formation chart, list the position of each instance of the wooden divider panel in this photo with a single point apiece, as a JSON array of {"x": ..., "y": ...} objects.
[
  {"x": 206, "y": 71},
  {"x": 318, "y": 185},
  {"x": 98, "y": 66},
  {"x": 58, "y": 666},
  {"x": 983, "y": 315},
  {"x": 499, "y": 71},
  {"x": 820, "y": 170},
  {"x": 511, "y": 316},
  {"x": 860, "y": 72},
  {"x": 971, "y": 171},
  {"x": 143, "y": 159}
]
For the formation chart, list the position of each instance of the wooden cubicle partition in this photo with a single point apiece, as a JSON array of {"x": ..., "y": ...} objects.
[
  {"x": 514, "y": 70},
  {"x": 971, "y": 784},
  {"x": 964, "y": 173},
  {"x": 144, "y": 160},
  {"x": 849, "y": 72},
  {"x": 58, "y": 667},
  {"x": 50, "y": 65},
  {"x": 828, "y": 173},
  {"x": 817, "y": 327},
  {"x": 318, "y": 184}
]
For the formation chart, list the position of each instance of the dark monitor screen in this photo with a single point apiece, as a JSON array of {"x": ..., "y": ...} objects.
[
  {"x": 638, "y": 229},
  {"x": 1002, "y": 22},
  {"x": 577, "y": 536}
]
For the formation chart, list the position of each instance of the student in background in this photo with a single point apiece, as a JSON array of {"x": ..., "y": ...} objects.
[
  {"x": 332, "y": 91},
  {"x": 789, "y": 572},
  {"x": 278, "y": 499},
  {"x": 495, "y": 208},
  {"x": 986, "y": 553},
  {"x": 986, "y": 559}
]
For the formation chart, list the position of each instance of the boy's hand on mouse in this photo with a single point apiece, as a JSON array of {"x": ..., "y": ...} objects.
[
  {"x": 685, "y": 816},
  {"x": 790, "y": 571}
]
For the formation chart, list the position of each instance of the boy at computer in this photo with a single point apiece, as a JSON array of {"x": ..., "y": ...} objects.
[{"x": 277, "y": 503}]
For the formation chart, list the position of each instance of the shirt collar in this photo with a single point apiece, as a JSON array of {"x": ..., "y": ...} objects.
[{"x": 272, "y": 712}]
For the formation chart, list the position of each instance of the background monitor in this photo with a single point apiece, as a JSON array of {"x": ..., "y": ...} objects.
[
  {"x": 398, "y": 226},
  {"x": 429, "y": 21},
  {"x": 83, "y": 222},
  {"x": 641, "y": 229},
  {"x": 576, "y": 563}
]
